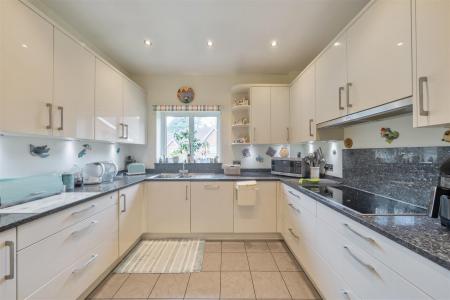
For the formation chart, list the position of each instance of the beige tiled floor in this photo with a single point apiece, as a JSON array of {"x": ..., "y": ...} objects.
[{"x": 231, "y": 270}]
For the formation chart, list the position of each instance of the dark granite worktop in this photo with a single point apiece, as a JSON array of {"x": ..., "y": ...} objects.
[{"x": 420, "y": 234}]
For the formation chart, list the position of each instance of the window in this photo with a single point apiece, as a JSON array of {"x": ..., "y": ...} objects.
[{"x": 195, "y": 133}]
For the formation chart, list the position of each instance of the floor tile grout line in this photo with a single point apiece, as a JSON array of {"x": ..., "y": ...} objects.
[
  {"x": 121, "y": 285},
  {"x": 187, "y": 285},
  {"x": 281, "y": 275},
  {"x": 153, "y": 287},
  {"x": 251, "y": 274}
]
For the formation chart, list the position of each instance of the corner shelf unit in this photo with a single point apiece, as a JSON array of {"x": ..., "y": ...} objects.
[{"x": 240, "y": 115}]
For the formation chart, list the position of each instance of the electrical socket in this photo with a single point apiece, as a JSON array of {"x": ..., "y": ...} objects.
[{"x": 329, "y": 167}]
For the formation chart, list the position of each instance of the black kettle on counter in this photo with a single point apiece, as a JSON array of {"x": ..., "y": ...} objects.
[{"x": 440, "y": 202}]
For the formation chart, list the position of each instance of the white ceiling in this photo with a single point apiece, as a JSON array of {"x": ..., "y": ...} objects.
[{"x": 179, "y": 29}]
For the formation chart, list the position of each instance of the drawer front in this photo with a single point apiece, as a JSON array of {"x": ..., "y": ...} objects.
[
  {"x": 35, "y": 231},
  {"x": 303, "y": 220},
  {"x": 432, "y": 278},
  {"x": 62, "y": 249},
  {"x": 368, "y": 277},
  {"x": 301, "y": 199},
  {"x": 75, "y": 279}
]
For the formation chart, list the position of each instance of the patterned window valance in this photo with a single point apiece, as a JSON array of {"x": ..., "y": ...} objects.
[{"x": 166, "y": 107}]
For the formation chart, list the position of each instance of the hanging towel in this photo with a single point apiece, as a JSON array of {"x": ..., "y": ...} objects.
[{"x": 246, "y": 193}]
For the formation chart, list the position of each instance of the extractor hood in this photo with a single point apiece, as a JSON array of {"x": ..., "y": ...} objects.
[{"x": 394, "y": 108}]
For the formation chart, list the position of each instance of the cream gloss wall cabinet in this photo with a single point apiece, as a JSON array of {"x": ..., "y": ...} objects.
[
  {"x": 432, "y": 74},
  {"x": 134, "y": 113},
  {"x": 130, "y": 216},
  {"x": 260, "y": 115},
  {"x": 26, "y": 70},
  {"x": 8, "y": 264}
]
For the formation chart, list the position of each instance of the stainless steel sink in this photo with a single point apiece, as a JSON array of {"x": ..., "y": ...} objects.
[{"x": 167, "y": 176}]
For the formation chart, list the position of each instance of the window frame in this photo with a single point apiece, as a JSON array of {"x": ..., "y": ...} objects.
[{"x": 161, "y": 134}]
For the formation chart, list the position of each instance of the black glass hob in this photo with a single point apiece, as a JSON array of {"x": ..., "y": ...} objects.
[{"x": 364, "y": 202}]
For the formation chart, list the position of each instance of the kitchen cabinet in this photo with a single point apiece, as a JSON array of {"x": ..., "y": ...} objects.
[
  {"x": 108, "y": 103},
  {"x": 168, "y": 207},
  {"x": 279, "y": 115},
  {"x": 212, "y": 206},
  {"x": 379, "y": 55},
  {"x": 8, "y": 264},
  {"x": 331, "y": 81},
  {"x": 134, "y": 113},
  {"x": 431, "y": 86},
  {"x": 295, "y": 129},
  {"x": 130, "y": 216},
  {"x": 260, "y": 115},
  {"x": 261, "y": 217},
  {"x": 74, "y": 86},
  {"x": 26, "y": 80}
]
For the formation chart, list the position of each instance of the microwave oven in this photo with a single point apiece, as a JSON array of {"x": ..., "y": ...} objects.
[{"x": 291, "y": 167}]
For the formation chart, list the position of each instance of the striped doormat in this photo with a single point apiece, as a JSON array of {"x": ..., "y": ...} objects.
[{"x": 164, "y": 256}]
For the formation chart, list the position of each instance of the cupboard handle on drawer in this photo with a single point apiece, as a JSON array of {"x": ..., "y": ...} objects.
[
  {"x": 348, "y": 94},
  {"x": 369, "y": 239},
  {"x": 360, "y": 261},
  {"x": 124, "y": 197},
  {"x": 50, "y": 115},
  {"x": 422, "y": 81},
  {"x": 294, "y": 208},
  {"x": 86, "y": 264},
  {"x": 187, "y": 193},
  {"x": 211, "y": 186},
  {"x": 347, "y": 294},
  {"x": 293, "y": 194},
  {"x": 61, "y": 120},
  {"x": 83, "y": 210},
  {"x": 293, "y": 234},
  {"x": 77, "y": 232},
  {"x": 341, "y": 89},
  {"x": 10, "y": 245}
]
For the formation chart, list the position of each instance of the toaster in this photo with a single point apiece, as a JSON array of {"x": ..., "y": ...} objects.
[{"x": 136, "y": 169}]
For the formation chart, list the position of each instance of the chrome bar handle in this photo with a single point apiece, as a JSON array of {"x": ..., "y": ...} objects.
[
  {"x": 77, "y": 232},
  {"x": 254, "y": 134},
  {"x": 369, "y": 239},
  {"x": 287, "y": 134},
  {"x": 310, "y": 127},
  {"x": 349, "y": 84},
  {"x": 187, "y": 193},
  {"x": 50, "y": 115},
  {"x": 122, "y": 127},
  {"x": 83, "y": 210},
  {"x": 61, "y": 109},
  {"x": 360, "y": 261},
  {"x": 10, "y": 245},
  {"x": 124, "y": 197},
  {"x": 293, "y": 194},
  {"x": 211, "y": 186},
  {"x": 293, "y": 234},
  {"x": 341, "y": 89},
  {"x": 126, "y": 126},
  {"x": 84, "y": 266},
  {"x": 422, "y": 80},
  {"x": 294, "y": 208}
]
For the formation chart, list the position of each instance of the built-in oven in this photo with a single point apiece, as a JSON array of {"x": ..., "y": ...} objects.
[{"x": 287, "y": 166}]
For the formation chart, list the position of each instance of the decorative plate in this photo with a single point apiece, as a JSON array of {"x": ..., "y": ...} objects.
[{"x": 185, "y": 94}]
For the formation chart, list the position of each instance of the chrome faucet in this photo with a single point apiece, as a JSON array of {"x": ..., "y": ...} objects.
[{"x": 184, "y": 172}]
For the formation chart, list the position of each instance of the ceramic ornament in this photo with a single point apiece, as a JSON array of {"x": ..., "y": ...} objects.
[
  {"x": 270, "y": 151},
  {"x": 348, "y": 143},
  {"x": 83, "y": 152},
  {"x": 446, "y": 137},
  {"x": 259, "y": 158},
  {"x": 185, "y": 94},
  {"x": 245, "y": 152},
  {"x": 389, "y": 135},
  {"x": 40, "y": 151}
]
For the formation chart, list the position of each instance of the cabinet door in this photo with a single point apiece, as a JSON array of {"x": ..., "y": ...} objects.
[
  {"x": 168, "y": 206},
  {"x": 262, "y": 217},
  {"x": 130, "y": 212},
  {"x": 295, "y": 130},
  {"x": 279, "y": 115},
  {"x": 433, "y": 62},
  {"x": 27, "y": 70},
  {"x": 212, "y": 206},
  {"x": 8, "y": 256},
  {"x": 134, "y": 113},
  {"x": 260, "y": 115},
  {"x": 108, "y": 103},
  {"x": 74, "y": 87},
  {"x": 379, "y": 55},
  {"x": 307, "y": 105},
  {"x": 331, "y": 79}
]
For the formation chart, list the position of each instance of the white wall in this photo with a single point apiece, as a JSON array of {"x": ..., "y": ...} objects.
[
  {"x": 367, "y": 135},
  {"x": 16, "y": 160},
  {"x": 209, "y": 89}
]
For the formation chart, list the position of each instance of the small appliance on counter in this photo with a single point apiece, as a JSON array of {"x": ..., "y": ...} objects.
[
  {"x": 93, "y": 173},
  {"x": 440, "y": 202},
  {"x": 135, "y": 169},
  {"x": 111, "y": 170},
  {"x": 232, "y": 170},
  {"x": 291, "y": 167}
]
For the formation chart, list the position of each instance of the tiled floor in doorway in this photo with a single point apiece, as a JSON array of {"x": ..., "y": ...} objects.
[{"x": 231, "y": 270}]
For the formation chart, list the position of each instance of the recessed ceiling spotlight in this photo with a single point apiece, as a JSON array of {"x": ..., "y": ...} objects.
[
  {"x": 336, "y": 44},
  {"x": 210, "y": 43},
  {"x": 274, "y": 43},
  {"x": 400, "y": 44},
  {"x": 24, "y": 46},
  {"x": 147, "y": 43}
]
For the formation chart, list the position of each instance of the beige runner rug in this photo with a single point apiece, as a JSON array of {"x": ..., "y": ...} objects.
[{"x": 164, "y": 256}]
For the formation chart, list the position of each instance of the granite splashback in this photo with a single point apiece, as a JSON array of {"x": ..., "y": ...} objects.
[{"x": 407, "y": 174}]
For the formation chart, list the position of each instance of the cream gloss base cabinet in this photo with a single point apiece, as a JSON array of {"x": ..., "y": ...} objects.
[
  {"x": 130, "y": 216},
  {"x": 26, "y": 70},
  {"x": 8, "y": 264},
  {"x": 168, "y": 207}
]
